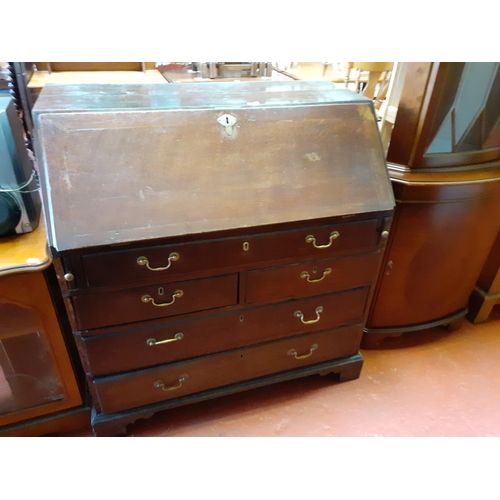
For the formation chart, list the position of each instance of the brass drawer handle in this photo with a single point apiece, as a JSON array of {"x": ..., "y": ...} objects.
[
  {"x": 333, "y": 236},
  {"x": 143, "y": 261},
  {"x": 160, "y": 385},
  {"x": 298, "y": 314},
  {"x": 148, "y": 298},
  {"x": 177, "y": 336},
  {"x": 293, "y": 352},
  {"x": 305, "y": 274}
]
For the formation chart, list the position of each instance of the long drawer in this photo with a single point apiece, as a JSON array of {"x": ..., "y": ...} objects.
[
  {"x": 175, "y": 341},
  {"x": 121, "y": 392},
  {"x": 102, "y": 309},
  {"x": 311, "y": 278},
  {"x": 159, "y": 262}
]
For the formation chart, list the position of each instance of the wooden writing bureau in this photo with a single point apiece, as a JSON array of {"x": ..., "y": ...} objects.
[{"x": 211, "y": 238}]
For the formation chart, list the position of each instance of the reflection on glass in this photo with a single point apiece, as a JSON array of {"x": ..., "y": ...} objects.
[
  {"x": 28, "y": 377},
  {"x": 473, "y": 121}
]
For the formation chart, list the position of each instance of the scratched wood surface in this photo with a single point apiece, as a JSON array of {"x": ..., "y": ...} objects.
[{"x": 144, "y": 162}]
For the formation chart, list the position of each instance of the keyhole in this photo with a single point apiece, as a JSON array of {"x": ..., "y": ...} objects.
[
  {"x": 160, "y": 291},
  {"x": 227, "y": 120},
  {"x": 315, "y": 270}
]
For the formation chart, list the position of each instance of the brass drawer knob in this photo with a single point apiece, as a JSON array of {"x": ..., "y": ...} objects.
[
  {"x": 176, "y": 295},
  {"x": 143, "y": 261},
  {"x": 333, "y": 236},
  {"x": 306, "y": 275},
  {"x": 293, "y": 352},
  {"x": 177, "y": 336},
  {"x": 160, "y": 385},
  {"x": 298, "y": 314},
  {"x": 385, "y": 234}
]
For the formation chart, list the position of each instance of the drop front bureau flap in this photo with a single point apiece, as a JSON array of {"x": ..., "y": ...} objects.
[{"x": 136, "y": 162}]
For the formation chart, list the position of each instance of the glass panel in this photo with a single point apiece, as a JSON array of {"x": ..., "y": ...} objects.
[
  {"x": 472, "y": 121},
  {"x": 28, "y": 377}
]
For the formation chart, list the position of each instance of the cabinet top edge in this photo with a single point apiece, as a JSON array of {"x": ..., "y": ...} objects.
[{"x": 102, "y": 97}]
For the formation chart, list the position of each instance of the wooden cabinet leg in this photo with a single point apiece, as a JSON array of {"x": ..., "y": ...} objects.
[
  {"x": 480, "y": 306},
  {"x": 454, "y": 325},
  {"x": 108, "y": 427},
  {"x": 351, "y": 370}
]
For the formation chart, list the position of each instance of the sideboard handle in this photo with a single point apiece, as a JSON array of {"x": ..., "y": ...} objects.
[
  {"x": 305, "y": 274},
  {"x": 298, "y": 314},
  {"x": 293, "y": 352},
  {"x": 333, "y": 236},
  {"x": 143, "y": 261},
  {"x": 177, "y": 336},
  {"x": 176, "y": 295},
  {"x": 160, "y": 385}
]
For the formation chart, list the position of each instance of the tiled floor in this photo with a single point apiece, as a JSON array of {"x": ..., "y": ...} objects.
[{"x": 431, "y": 383}]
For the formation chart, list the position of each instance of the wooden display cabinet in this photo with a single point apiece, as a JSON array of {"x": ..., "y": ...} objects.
[
  {"x": 444, "y": 165},
  {"x": 36, "y": 374}
]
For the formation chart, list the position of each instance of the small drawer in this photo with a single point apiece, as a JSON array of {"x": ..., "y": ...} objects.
[
  {"x": 114, "y": 353},
  {"x": 121, "y": 392},
  {"x": 157, "y": 263},
  {"x": 311, "y": 278},
  {"x": 98, "y": 310}
]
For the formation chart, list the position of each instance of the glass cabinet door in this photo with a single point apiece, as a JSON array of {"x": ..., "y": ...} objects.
[
  {"x": 28, "y": 377},
  {"x": 36, "y": 374}
]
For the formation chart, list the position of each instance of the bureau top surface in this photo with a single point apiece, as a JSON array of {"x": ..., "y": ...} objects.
[{"x": 123, "y": 163}]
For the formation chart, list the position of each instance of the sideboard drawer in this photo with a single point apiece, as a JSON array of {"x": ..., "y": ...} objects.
[
  {"x": 311, "y": 278},
  {"x": 106, "y": 354},
  {"x": 121, "y": 392},
  {"x": 102, "y": 309},
  {"x": 171, "y": 261}
]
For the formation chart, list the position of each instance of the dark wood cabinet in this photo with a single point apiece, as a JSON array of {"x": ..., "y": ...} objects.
[
  {"x": 211, "y": 238},
  {"x": 444, "y": 165}
]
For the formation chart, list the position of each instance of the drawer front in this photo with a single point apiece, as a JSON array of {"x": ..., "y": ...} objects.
[
  {"x": 175, "y": 341},
  {"x": 311, "y": 278},
  {"x": 98, "y": 310},
  {"x": 171, "y": 261},
  {"x": 122, "y": 392}
]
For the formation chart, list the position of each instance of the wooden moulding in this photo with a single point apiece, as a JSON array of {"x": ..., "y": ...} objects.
[{"x": 75, "y": 420}]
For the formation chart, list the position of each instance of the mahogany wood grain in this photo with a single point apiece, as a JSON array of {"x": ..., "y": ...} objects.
[
  {"x": 412, "y": 105},
  {"x": 122, "y": 392},
  {"x": 106, "y": 354},
  {"x": 148, "y": 170},
  {"x": 322, "y": 276},
  {"x": 441, "y": 236},
  {"x": 111, "y": 308},
  {"x": 144, "y": 163},
  {"x": 121, "y": 267}
]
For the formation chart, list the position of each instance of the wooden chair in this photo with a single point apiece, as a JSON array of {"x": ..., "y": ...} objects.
[{"x": 377, "y": 81}]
